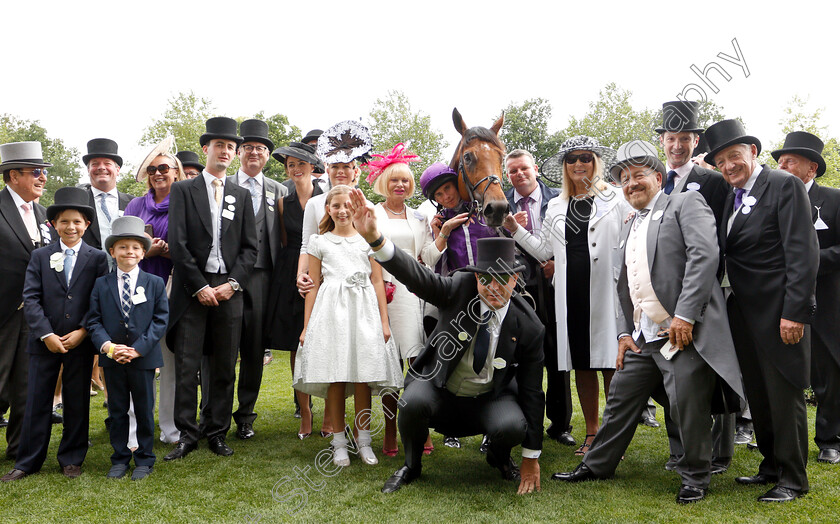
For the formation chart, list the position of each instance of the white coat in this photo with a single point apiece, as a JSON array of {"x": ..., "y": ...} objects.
[{"x": 610, "y": 210}]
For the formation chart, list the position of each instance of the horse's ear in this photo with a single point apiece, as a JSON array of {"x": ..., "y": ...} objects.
[
  {"x": 460, "y": 126},
  {"x": 497, "y": 125}
]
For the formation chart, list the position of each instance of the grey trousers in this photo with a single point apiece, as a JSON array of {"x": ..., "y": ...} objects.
[{"x": 689, "y": 384}]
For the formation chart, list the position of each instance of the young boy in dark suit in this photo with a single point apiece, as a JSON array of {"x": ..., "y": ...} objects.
[
  {"x": 56, "y": 298},
  {"x": 129, "y": 312}
]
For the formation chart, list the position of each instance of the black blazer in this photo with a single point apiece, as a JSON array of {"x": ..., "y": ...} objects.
[
  {"x": 771, "y": 256},
  {"x": 547, "y": 194},
  {"x": 17, "y": 249},
  {"x": 713, "y": 187},
  {"x": 146, "y": 321},
  {"x": 92, "y": 236},
  {"x": 827, "y": 320},
  {"x": 520, "y": 341},
  {"x": 190, "y": 239},
  {"x": 49, "y": 305}
]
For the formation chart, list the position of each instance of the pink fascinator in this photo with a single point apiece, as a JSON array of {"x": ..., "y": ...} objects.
[{"x": 398, "y": 155}]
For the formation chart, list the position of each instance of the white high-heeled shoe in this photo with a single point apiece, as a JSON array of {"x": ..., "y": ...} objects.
[{"x": 340, "y": 456}]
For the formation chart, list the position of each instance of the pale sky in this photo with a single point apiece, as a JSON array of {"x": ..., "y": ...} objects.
[{"x": 88, "y": 69}]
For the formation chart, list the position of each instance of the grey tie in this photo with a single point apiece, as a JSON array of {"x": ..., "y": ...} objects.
[
  {"x": 640, "y": 216},
  {"x": 104, "y": 207},
  {"x": 256, "y": 197},
  {"x": 68, "y": 264}
]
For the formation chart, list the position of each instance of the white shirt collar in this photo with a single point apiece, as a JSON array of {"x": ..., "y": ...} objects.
[
  {"x": 535, "y": 195},
  {"x": 97, "y": 192},
  {"x": 208, "y": 179},
  {"x": 751, "y": 181},
  {"x": 500, "y": 313},
  {"x": 683, "y": 170},
  {"x": 809, "y": 184},
  {"x": 65, "y": 247},
  {"x": 132, "y": 278},
  {"x": 17, "y": 198},
  {"x": 242, "y": 177},
  {"x": 653, "y": 200}
]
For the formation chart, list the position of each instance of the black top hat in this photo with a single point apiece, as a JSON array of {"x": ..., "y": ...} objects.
[
  {"x": 496, "y": 255},
  {"x": 299, "y": 150},
  {"x": 254, "y": 130},
  {"x": 702, "y": 144},
  {"x": 680, "y": 117},
  {"x": 71, "y": 198},
  {"x": 220, "y": 127},
  {"x": 805, "y": 144},
  {"x": 312, "y": 135},
  {"x": 727, "y": 133},
  {"x": 190, "y": 159},
  {"x": 102, "y": 148}
]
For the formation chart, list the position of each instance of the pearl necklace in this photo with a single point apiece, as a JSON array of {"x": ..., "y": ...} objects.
[{"x": 388, "y": 209}]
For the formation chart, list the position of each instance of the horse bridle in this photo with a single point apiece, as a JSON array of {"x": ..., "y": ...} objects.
[{"x": 490, "y": 179}]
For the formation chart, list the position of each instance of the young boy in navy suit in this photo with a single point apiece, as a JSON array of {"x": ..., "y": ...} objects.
[
  {"x": 56, "y": 298},
  {"x": 129, "y": 312}
]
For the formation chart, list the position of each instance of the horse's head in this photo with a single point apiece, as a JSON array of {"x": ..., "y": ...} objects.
[{"x": 478, "y": 161}]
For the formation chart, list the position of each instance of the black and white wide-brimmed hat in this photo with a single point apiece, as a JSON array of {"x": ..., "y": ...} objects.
[
  {"x": 553, "y": 167},
  {"x": 345, "y": 142}
]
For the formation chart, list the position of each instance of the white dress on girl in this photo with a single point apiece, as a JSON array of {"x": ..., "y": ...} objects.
[{"x": 344, "y": 340}]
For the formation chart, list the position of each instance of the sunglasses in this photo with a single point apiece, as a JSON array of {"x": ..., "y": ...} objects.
[
  {"x": 583, "y": 157},
  {"x": 487, "y": 278},
  {"x": 37, "y": 172},
  {"x": 163, "y": 168}
]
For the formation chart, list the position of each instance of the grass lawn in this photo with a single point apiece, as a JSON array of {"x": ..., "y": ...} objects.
[{"x": 259, "y": 482}]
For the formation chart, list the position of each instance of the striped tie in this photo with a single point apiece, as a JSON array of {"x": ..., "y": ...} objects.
[{"x": 125, "y": 297}]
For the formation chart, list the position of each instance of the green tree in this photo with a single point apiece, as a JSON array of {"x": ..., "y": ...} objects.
[
  {"x": 184, "y": 118},
  {"x": 392, "y": 120},
  {"x": 526, "y": 127},
  {"x": 799, "y": 117},
  {"x": 65, "y": 160},
  {"x": 613, "y": 120}
]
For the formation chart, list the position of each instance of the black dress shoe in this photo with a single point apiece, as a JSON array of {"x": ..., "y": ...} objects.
[
  {"x": 57, "y": 418},
  {"x": 757, "y": 479},
  {"x": 671, "y": 465},
  {"x": 404, "y": 475},
  {"x": 579, "y": 474},
  {"x": 647, "y": 420},
  {"x": 830, "y": 456},
  {"x": 720, "y": 465},
  {"x": 15, "y": 474},
  {"x": 508, "y": 468},
  {"x": 689, "y": 494},
  {"x": 181, "y": 450},
  {"x": 244, "y": 431},
  {"x": 780, "y": 494},
  {"x": 485, "y": 441},
  {"x": 563, "y": 437},
  {"x": 3, "y": 422},
  {"x": 219, "y": 447},
  {"x": 752, "y": 445}
]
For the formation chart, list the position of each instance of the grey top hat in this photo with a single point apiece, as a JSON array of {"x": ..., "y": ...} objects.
[
  {"x": 220, "y": 127},
  {"x": 727, "y": 133},
  {"x": 16, "y": 155},
  {"x": 553, "y": 167},
  {"x": 635, "y": 153},
  {"x": 128, "y": 227},
  {"x": 803, "y": 144},
  {"x": 255, "y": 130},
  {"x": 102, "y": 148}
]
